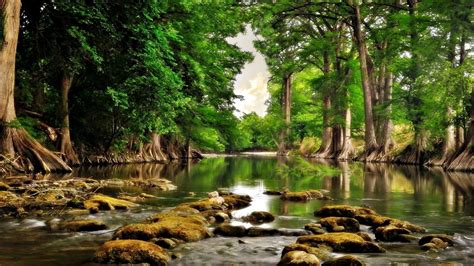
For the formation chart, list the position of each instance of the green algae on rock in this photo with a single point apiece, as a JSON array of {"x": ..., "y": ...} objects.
[
  {"x": 103, "y": 202},
  {"x": 341, "y": 242},
  {"x": 259, "y": 217},
  {"x": 131, "y": 252},
  {"x": 80, "y": 225},
  {"x": 342, "y": 211},
  {"x": 340, "y": 224},
  {"x": 299, "y": 257},
  {"x": 303, "y": 196},
  {"x": 347, "y": 260}
]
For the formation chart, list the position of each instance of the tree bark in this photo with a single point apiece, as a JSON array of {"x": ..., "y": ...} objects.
[
  {"x": 151, "y": 151},
  {"x": 370, "y": 139},
  {"x": 347, "y": 151},
  {"x": 65, "y": 145},
  {"x": 15, "y": 141},
  {"x": 286, "y": 108},
  {"x": 465, "y": 160}
]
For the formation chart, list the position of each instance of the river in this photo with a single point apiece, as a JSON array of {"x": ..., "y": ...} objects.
[{"x": 443, "y": 202}]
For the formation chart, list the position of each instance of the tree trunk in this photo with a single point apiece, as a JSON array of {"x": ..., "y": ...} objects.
[
  {"x": 15, "y": 141},
  {"x": 171, "y": 148},
  {"x": 347, "y": 151},
  {"x": 370, "y": 139},
  {"x": 286, "y": 108},
  {"x": 326, "y": 142},
  {"x": 465, "y": 160},
  {"x": 448, "y": 143},
  {"x": 67, "y": 151},
  {"x": 151, "y": 152}
]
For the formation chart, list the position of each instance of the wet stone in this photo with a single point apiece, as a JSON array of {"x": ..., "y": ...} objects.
[
  {"x": 391, "y": 233},
  {"x": 164, "y": 242},
  {"x": 259, "y": 231},
  {"x": 341, "y": 242},
  {"x": 131, "y": 252},
  {"x": 230, "y": 230},
  {"x": 314, "y": 228},
  {"x": 342, "y": 211},
  {"x": 80, "y": 225},
  {"x": 340, "y": 224},
  {"x": 259, "y": 217},
  {"x": 347, "y": 260},
  {"x": 299, "y": 257}
]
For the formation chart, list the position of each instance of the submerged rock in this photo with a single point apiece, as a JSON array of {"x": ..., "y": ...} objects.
[
  {"x": 131, "y": 251},
  {"x": 299, "y": 257},
  {"x": 259, "y": 217},
  {"x": 80, "y": 225},
  {"x": 303, "y": 196},
  {"x": 427, "y": 238},
  {"x": 341, "y": 242},
  {"x": 230, "y": 230},
  {"x": 347, "y": 260},
  {"x": 342, "y": 211},
  {"x": 340, "y": 224},
  {"x": 103, "y": 202},
  {"x": 273, "y": 193}
]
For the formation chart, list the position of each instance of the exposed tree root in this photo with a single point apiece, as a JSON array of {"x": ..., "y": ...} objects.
[
  {"x": 465, "y": 160},
  {"x": 17, "y": 142}
]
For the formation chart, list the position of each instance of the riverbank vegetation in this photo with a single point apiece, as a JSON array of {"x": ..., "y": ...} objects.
[{"x": 99, "y": 83}]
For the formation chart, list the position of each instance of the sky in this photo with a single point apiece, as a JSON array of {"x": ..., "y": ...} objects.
[{"x": 251, "y": 83}]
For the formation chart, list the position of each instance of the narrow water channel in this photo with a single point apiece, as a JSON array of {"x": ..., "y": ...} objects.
[{"x": 440, "y": 201}]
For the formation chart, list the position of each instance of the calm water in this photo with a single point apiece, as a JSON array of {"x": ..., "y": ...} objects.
[{"x": 440, "y": 201}]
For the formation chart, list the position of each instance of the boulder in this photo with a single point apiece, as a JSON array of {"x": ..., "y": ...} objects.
[
  {"x": 427, "y": 238},
  {"x": 259, "y": 231},
  {"x": 376, "y": 220},
  {"x": 131, "y": 252},
  {"x": 103, "y": 202},
  {"x": 347, "y": 260},
  {"x": 435, "y": 244},
  {"x": 321, "y": 253},
  {"x": 230, "y": 230},
  {"x": 342, "y": 211},
  {"x": 81, "y": 225},
  {"x": 314, "y": 228},
  {"x": 391, "y": 233},
  {"x": 299, "y": 257},
  {"x": 341, "y": 242},
  {"x": 259, "y": 217},
  {"x": 364, "y": 235},
  {"x": 340, "y": 224},
  {"x": 167, "y": 225},
  {"x": 303, "y": 196}
]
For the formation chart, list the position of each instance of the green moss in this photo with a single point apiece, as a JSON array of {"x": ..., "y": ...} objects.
[
  {"x": 342, "y": 211},
  {"x": 340, "y": 242},
  {"x": 103, "y": 202},
  {"x": 131, "y": 252}
]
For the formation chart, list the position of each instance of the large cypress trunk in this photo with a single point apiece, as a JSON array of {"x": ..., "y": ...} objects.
[
  {"x": 465, "y": 160},
  {"x": 346, "y": 151},
  {"x": 286, "y": 108},
  {"x": 371, "y": 145},
  {"x": 14, "y": 141},
  {"x": 151, "y": 151},
  {"x": 67, "y": 151}
]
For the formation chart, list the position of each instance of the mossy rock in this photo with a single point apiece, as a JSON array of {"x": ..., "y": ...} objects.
[
  {"x": 391, "y": 233},
  {"x": 303, "y": 196},
  {"x": 103, "y": 202},
  {"x": 260, "y": 231},
  {"x": 259, "y": 217},
  {"x": 273, "y": 193},
  {"x": 345, "y": 261},
  {"x": 299, "y": 257},
  {"x": 167, "y": 225},
  {"x": 314, "y": 228},
  {"x": 230, "y": 230},
  {"x": 235, "y": 202},
  {"x": 4, "y": 187},
  {"x": 51, "y": 198},
  {"x": 435, "y": 244},
  {"x": 82, "y": 225},
  {"x": 342, "y": 211},
  {"x": 446, "y": 238},
  {"x": 340, "y": 224},
  {"x": 341, "y": 242},
  {"x": 11, "y": 204},
  {"x": 321, "y": 253},
  {"x": 364, "y": 235},
  {"x": 131, "y": 252},
  {"x": 376, "y": 220},
  {"x": 164, "y": 242}
]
